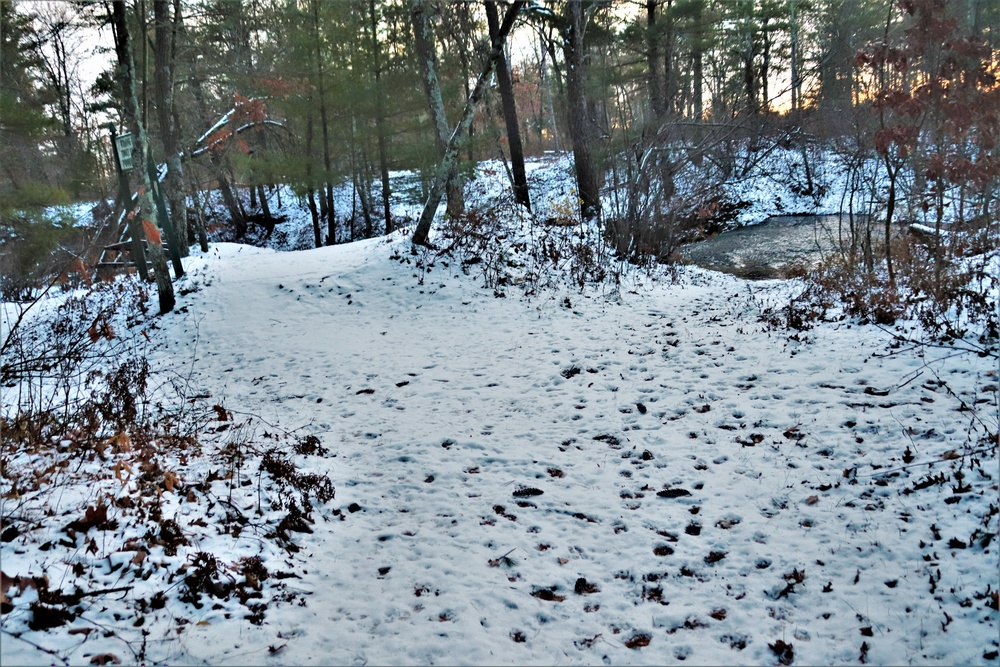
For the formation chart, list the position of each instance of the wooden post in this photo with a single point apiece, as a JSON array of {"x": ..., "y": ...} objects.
[
  {"x": 165, "y": 223},
  {"x": 134, "y": 228}
]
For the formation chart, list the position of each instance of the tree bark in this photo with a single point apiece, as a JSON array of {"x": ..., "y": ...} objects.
[
  {"x": 326, "y": 203},
  {"x": 423, "y": 228},
  {"x": 163, "y": 81},
  {"x": 546, "y": 81},
  {"x": 669, "y": 66},
  {"x": 765, "y": 66},
  {"x": 793, "y": 26},
  {"x": 581, "y": 124},
  {"x": 380, "y": 117},
  {"x": 506, "y": 86},
  {"x": 424, "y": 40},
  {"x": 161, "y": 272},
  {"x": 119, "y": 26},
  {"x": 180, "y": 32},
  {"x": 655, "y": 83},
  {"x": 311, "y": 194},
  {"x": 697, "y": 56}
]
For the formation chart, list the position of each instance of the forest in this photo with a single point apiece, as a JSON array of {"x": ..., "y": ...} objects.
[
  {"x": 433, "y": 332},
  {"x": 660, "y": 103}
]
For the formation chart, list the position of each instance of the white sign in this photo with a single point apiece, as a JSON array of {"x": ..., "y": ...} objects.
[{"x": 125, "y": 146}]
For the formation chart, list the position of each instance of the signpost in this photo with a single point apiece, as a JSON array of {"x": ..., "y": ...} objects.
[{"x": 122, "y": 145}]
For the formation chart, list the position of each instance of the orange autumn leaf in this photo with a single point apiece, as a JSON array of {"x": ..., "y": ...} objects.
[
  {"x": 79, "y": 268},
  {"x": 218, "y": 138},
  {"x": 152, "y": 233},
  {"x": 170, "y": 480}
]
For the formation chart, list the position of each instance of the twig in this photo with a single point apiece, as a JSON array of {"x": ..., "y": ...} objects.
[
  {"x": 76, "y": 597},
  {"x": 925, "y": 463}
]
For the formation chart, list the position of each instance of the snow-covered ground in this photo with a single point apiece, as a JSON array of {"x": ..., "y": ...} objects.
[
  {"x": 768, "y": 189},
  {"x": 646, "y": 476}
]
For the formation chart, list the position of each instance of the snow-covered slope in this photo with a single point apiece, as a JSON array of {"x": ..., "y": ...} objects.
[
  {"x": 654, "y": 475},
  {"x": 648, "y": 478}
]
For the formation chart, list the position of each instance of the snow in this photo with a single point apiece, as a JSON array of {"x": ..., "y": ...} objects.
[{"x": 546, "y": 479}]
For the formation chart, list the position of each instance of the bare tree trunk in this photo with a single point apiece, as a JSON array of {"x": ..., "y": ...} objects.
[
  {"x": 311, "y": 195},
  {"x": 698, "y": 77},
  {"x": 432, "y": 87},
  {"x": 265, "y": 208},
  {"x": 793, "y": 25},
  {"x": 547, "y": 90},
  {"x": 380, "y": 117},
  {"x": 326, "y": 203},
  {"x": 192, "y": 186},
  {"x": 359, "y": 177},
  {"x": 749, "y": 78},
  {"x": 669, "y": 67},
  {"x": 892, "y": 171},
  {"x": 581, "y": 124},
  {"x": 119, "y": 24},
  {"x": 653, "y": 59},
  {"x": 163, "y": 71},
  {"x": 509, "y": 113},
  {"x": 423, "y": 228},
  {"x": 161, "y": 272},
  {"x": 765, "y": 67}
]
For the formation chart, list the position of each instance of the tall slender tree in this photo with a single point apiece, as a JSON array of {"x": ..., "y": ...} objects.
[
  {"x": 131, "y": 111},
  {"x": 164, "y": 30},
  {"x": 582, "y": 123},
  {"x": 506, "y": 87},
  {"x": 380, "y": 120},
  {"x": 448, "y": 161},
  {"x": 425, "y": 49}
]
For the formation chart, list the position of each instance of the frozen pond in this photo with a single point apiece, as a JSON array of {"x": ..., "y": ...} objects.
[{"x": 772, "y": 248}]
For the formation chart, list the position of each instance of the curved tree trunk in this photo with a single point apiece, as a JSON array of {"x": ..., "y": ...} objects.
[
  {"x": 420, "y": 234},
  {"x": 424, "y": 39}
]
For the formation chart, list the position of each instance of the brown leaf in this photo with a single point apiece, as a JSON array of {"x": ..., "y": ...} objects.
[
  {"x": 638, "y": 640},
  {"x": 105, "y": 659},
  {"x": 152, "y": 233},
  {"x": 119, "y": 467},
  {"x": 121, "y": 443},
  {"x": 784, "y": 652},
  {"x": 170, "y": 480},
  {"x": 547, "y": 594},
  {"x": 220, "y": 413}
]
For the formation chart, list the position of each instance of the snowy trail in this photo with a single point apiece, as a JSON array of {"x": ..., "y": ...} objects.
[{"x": 666, "y": 475}]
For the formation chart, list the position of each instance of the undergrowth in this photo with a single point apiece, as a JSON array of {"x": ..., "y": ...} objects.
[{"x": 121, "y": 497}]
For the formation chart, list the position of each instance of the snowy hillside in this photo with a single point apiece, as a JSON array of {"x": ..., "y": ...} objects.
[{"x": 646, "y": 477}]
